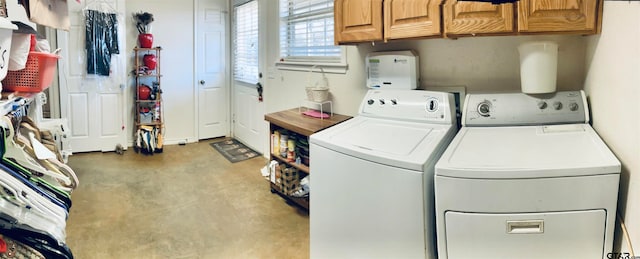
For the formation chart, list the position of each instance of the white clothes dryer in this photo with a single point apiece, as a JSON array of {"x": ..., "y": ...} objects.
[
  {"x": 371, "y": 190},
  {"x": 526, "y": 177}
]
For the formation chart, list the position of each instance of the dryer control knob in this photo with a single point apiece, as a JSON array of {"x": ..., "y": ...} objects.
[
  {"x": 432, "y": 105},
  {"x": 484, "y": 108},
  {"x": 557, "y": 105},
  {"x": 573, "y": 107},
  {"x": 542, "y": 105},
  {"x": 370, "y": 101},
  {"x": 382, "y": 102}
]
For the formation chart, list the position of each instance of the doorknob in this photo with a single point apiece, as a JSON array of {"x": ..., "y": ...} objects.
[
  {"x": 259, "y": 89},
  {"x": 202, "y": 82}
]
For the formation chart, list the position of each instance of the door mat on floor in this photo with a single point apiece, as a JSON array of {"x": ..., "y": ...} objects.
[{"x": 234, "y": 151}]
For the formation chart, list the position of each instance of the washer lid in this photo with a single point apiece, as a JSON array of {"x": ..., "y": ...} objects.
[
  {"x": 527, "y": 152},
  {"x": 396, "y": 143}
]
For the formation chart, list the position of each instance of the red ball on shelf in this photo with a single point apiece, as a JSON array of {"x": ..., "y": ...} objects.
[{"x": 144, "y": 92}]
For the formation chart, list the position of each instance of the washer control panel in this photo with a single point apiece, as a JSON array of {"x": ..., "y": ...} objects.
[
  {"x": 411, "y": 105},
  {"x": 514, "y": 109}
]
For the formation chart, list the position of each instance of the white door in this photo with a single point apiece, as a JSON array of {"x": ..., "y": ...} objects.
[
  {"x": 211, "y": 68},
  {"x": 93, "y": 104},
  {"x": 248, "y": 50}
]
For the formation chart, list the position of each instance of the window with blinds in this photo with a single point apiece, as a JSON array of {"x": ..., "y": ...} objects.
[
  {"x": 306, "y": 34},
  {"x": 245, "y": 42}
]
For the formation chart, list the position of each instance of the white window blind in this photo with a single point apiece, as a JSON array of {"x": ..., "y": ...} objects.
[
  {"x": 306, "y": 32},
  {"x": 245, "y": 42}
]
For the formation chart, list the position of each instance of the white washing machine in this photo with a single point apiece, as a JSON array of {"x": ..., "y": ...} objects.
[
  {"x": 526, "y": 177},
  {"x": 372, "y": 177}
]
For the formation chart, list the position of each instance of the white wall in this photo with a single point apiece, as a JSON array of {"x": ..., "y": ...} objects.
[
  {"x": 613, "y": 86},
  {"x": 490, "y": 63},
  {"x": 286, "y": 89},
  {"x": 172, "y": 29},
  {"x": 480, "y": 64}
]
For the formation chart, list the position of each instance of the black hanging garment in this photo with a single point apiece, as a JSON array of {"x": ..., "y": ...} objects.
[{"x": 101, "y": 41}]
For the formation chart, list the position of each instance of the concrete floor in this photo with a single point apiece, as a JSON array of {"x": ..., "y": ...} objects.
[{"x": 187, "y": 202}]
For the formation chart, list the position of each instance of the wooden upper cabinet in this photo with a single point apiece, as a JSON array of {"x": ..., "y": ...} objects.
[
  {"x": 462, "y": 18},
  {"x": 362, "y": 20},
  {"x": 559, "y": 16},
  {"x": 411, "y": 19},
  {"x": 357, "y": 20}
]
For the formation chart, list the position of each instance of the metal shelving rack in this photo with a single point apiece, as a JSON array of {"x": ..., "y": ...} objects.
[{"x": 152, "y": 107}]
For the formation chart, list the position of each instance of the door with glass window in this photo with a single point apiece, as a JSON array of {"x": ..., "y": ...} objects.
[{"x": 249, "y": 126}]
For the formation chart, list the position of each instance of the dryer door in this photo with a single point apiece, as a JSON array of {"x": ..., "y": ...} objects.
[{"x": 574, "y": 234}]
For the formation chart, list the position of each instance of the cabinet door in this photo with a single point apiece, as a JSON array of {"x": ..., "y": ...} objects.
[
  {"x": 411, "y": 18},
  {"x": 357, "y": 20},
  {"x": 558, "y": 16},
  {"x": 471, "y": 18}
]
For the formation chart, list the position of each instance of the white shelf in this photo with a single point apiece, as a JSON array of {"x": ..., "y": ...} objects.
[{"x": 302, "y": 108}]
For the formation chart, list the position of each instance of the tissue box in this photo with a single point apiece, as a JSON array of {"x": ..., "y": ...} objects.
[{"x": 51, "y": 13}]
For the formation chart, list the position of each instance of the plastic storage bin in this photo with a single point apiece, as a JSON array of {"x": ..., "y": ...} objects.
[
  {"x": 6, "y": 34},
  {"x": 538, "y": 67},
  {"x": 36, "y": 76}
]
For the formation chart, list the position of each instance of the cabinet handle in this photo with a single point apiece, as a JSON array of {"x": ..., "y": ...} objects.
[{"x": 202, "y": 82}]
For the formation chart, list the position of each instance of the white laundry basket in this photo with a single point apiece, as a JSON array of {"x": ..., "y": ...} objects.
[{"x": 316, "y": 93}]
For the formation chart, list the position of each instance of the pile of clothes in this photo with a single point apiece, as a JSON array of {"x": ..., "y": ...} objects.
[{"x": 36, "y": 189}]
